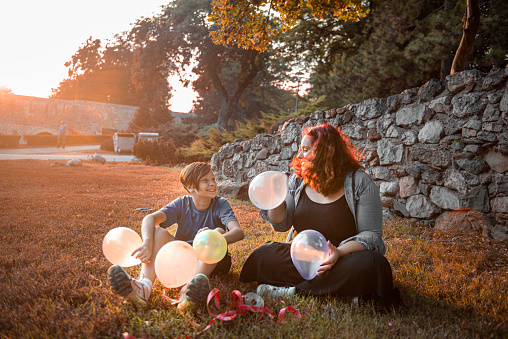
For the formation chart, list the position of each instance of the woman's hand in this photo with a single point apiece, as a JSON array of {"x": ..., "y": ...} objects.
[
  {"x": 334, "y": 256},
  {"x": 143, "y": 252}
]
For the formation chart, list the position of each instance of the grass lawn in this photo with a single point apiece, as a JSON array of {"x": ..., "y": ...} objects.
[{"x": 53, "y": 274}]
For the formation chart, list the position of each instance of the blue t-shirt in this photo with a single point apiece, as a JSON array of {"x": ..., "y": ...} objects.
[{"x": 190, "y": 220}]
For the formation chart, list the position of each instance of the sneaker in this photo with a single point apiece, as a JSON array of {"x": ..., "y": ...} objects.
[
  {"x": 196, "y": 292},
  {"x": 128, "y": 288},
  {"x": 265, "y": 290}
]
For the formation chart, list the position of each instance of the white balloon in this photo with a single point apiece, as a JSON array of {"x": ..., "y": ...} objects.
[
  {"x": 308, "y": 250},
  {"x": 118, "y": 244},
  {"x": 176, "y": 263},
  {"x": 268, "y": 189}
]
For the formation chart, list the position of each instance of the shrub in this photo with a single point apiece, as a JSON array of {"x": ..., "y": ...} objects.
[
  {"x": 204, "y": 147},
  {"x": 183, "y": 134},
  {"x": 160, "y": 152}
]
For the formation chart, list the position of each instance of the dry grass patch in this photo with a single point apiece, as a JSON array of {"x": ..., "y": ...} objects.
[{"x": 53, "y": 273}]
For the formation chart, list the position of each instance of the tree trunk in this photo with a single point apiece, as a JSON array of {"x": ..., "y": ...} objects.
[
  {"x": 229, "y": 103},
  {"x": 471, "y": 25},
  {"x": 222, "y": 119}
]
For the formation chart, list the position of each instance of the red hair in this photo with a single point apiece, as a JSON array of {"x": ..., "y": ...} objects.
[{"x": 331, "y": 159}]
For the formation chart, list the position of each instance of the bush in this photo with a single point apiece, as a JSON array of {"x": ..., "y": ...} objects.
[
  {"x": 157, "y": 152},
  {"x": 204, "y": 147},
  {"x": 182, "y": 134}
]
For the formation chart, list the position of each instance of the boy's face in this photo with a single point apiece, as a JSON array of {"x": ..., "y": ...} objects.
[{"x": 207, "y": 187}]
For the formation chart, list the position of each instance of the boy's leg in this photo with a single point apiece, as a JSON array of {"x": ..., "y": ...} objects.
[
  {"x": 196, "y": 291},
  {"x": 138, "y": 291},
  {"x": 161, "y": 238}
]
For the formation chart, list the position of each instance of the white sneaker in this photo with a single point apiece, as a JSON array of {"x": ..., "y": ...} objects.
[
  {"x": 128, "y": 288},
  {"x": 265, "y": 290}
]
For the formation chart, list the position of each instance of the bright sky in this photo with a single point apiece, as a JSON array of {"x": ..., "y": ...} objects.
[{"x": 38, "y": 36}]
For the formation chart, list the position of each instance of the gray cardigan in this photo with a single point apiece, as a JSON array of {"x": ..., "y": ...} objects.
[{"x": 368, "y": 214}]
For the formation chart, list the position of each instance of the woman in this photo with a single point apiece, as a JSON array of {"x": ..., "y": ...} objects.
[{"x": 327, "y": 193}]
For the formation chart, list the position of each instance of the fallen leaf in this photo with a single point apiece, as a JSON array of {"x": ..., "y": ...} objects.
[{"x": 465, "y": 325}]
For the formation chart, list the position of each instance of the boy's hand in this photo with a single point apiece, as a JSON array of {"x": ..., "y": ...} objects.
[
  {"x": 218, "y": 229},
  {"x": 202, "y": 229},
  {"x": 143, "y": 252}
]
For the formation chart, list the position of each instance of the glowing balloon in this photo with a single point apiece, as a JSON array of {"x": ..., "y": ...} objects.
[
  {"x": 118, "y": 244},
  {"x": 268, "y": 189},
  {"x": 308, "y": 250},
  {"x": 210, "y": 246},
  {"x": 176, "y": 263}
]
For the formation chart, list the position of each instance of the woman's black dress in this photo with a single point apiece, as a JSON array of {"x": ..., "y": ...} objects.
[{"x": 364, "y": 274}]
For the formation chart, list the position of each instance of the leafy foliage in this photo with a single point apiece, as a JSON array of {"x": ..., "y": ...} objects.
[
  {"x": 99, "y": 74},
  {"x": 159, "y": 152},
  {"x": 182, "y": 134},
  {"x": 210, "y": 142},
  {"x": 249, "y": 24},
  {"x": 398, "y": 45},
  {"x": 181, "y": 34}
]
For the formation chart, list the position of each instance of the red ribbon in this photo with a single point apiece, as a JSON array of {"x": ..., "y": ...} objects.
[{"x": 237, "y": 301}]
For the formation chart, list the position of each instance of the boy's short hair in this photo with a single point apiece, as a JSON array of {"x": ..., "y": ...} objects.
[{"x": 190, "y": 175}]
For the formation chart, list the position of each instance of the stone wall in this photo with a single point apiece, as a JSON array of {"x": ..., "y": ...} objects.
[
  {"x": 432, "y": 149},
  {"x": 25, "y": 115}
]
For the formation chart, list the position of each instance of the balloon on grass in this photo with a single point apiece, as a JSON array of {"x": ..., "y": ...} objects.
[
  {"x": 118, "y": 245},
  {"x": 176, "y": 263},
  {"x": 268, "y": 189},
  {"x": 210, "y": 246},
  {"x": 308, "y": 250}
]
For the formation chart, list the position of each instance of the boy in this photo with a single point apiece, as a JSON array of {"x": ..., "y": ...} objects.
[{"x": 202, "y": 209}]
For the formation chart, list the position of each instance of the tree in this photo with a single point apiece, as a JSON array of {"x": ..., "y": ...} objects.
[
  {"x": 252, "y": 24},
  {"x": 181, "y": 35},
  {"x": 491, "y": 44},
  {"x": 99, "y": 74},
  {"x": 471, "y": 25},
  {"x": 398, "y": 45},
  {"x": 265, "y": 96},
  {"x": 149, "y": 75},
  {"x": 5, "y": 90}
]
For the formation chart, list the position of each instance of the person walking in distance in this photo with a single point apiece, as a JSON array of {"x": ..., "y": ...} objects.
[{"x": 61, "y": 135}]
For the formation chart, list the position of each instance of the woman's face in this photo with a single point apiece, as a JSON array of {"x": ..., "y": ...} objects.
[{"x": 305, "y": 148}]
